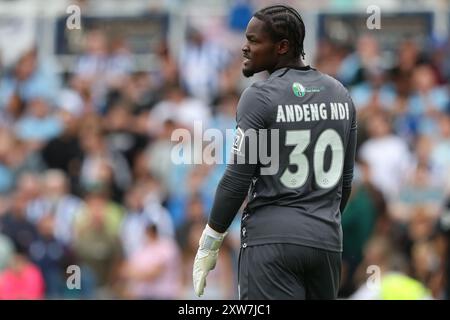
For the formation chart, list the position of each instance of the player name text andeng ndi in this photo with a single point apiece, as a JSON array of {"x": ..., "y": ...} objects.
[{"x": 312, "y": 112}]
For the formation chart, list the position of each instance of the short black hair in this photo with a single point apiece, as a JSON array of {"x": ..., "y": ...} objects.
[{"x": 284, "y": 22}]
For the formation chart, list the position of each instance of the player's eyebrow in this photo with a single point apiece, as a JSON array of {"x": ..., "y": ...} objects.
[{"x": 250, "y": 36}]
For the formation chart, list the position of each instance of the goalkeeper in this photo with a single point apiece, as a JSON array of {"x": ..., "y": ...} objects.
[{"x": 291, "y": 235}]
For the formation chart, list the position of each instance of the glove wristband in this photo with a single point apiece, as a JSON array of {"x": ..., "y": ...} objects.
[{"x": 211, "y": 239}]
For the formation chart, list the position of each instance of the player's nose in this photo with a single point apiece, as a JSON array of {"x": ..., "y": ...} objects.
[{"x": 245, "y": 49}]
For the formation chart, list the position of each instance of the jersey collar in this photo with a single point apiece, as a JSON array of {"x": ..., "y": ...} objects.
[{"x": 283, "y": 70}]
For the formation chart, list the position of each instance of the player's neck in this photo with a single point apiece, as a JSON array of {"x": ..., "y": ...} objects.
[{"x": 297, "y": 63}]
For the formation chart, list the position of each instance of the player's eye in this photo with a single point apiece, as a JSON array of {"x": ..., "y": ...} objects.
[{"x": 251, "y": 39}]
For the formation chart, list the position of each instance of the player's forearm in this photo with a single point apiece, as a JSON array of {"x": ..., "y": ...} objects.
[
  {"x": 230, "y": 195},
  {"x": 225, "y": 207}
]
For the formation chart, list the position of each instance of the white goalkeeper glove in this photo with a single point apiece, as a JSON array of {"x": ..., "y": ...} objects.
[{"x": 206, "y": 257}]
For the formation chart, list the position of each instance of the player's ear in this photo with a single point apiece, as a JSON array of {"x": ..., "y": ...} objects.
[{"x": 283, "y": 46}]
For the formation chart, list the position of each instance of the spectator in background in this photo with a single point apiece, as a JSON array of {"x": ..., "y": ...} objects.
[
  {"x": 96, "y": 242},
  {"x": 404, "y": 125},
  {"x": 52, "y": 257},
  {"x": 58, "y": 203},
  {"x": 153, "y": 271},
  {"x": 195, "y": 179},
  {"x": 104, "y": 66},
  {"x": 80, "y": 96},
  {"x": 22, "y": 280},
  {"x": 14, "y": 223},
  {"x": 155, "y": 211},
  {"x": 330, "y": 56},
  {"x": 388, "y": 156},
  {"x": 423, "y": 249},
  {"x": 157, "y": 157},
  {"x": 374, "y": 94},
  {"x": 421, "y": 226},
  {"x": 408, "y": 56},
  {"x": 423, "y": 145},
  {"x": 92, "y": 67},
  {"x": 29, "y": 184},
  {"x": 71, "y": 102},
  {"x": 426, "y": 266},
  {"x": 401, "y": 84},
  {"x": 23, "y": 159},
  {"x": 143, "y": 205},
  {"x": 167, "y": 72},
  {"x": 201, "y": 64},
  {"x": 131, "y": 229},
  {"x": 29, "y": 79},
  {"x": 418, "y": 190},
  {"x": 120, "y": 62},
  {"x": 64, "y": 151},
  {"x": 139, "y": 93},
  {"x": 364, "y": 61},
  {"x": 102, "y": 165},
  {"x": 394, "y": 283},
  {"x": 428, "y": 100},
  {"x": 38, "y": 125},
  {"x": 179, "y": 107},
  {"x": 121, "y": 136}
]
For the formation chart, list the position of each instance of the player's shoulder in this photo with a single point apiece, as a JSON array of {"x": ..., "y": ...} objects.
[
  {"x": 259, "y": 86},
  {"x": 339, "y": 88},
  {"x": 258, "y": 91},
  {"x": 334, "y": 82}
]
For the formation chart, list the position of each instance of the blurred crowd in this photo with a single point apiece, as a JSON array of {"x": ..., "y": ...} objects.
[{"x": 86, "y": 176}]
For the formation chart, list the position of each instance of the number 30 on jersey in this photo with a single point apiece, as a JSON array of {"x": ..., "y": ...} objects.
[{"x": 301, "y": 140}]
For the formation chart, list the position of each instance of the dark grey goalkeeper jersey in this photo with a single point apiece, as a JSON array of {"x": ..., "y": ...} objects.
[{"x": 299, "y": 164}]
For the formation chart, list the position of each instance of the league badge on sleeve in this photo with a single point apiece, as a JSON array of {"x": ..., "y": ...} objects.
[{"x": 238, "y": 139}]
